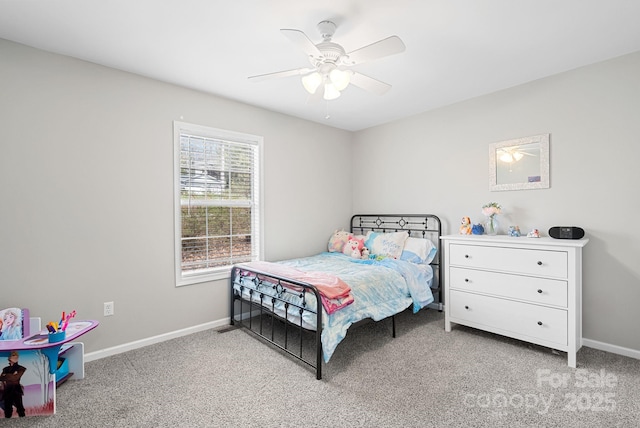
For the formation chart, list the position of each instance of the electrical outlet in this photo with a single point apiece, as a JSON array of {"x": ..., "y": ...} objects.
[{"x": 108, "y": 309}]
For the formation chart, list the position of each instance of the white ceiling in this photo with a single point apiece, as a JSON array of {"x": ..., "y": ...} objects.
[{"x": 456, "y": 49}]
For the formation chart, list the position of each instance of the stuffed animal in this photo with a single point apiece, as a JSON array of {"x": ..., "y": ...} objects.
[
  {"x": 365, "y": 253},
  {"x": 354, "y": 247},
  {"x": 465, "y": 227},
  {"x": 338, "y": 241}
]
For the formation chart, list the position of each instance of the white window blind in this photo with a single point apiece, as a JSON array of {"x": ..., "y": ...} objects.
[{"x": 217, "y": 201}]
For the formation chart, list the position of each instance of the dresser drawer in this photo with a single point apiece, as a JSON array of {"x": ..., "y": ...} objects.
[
  {"x": 536, "y": 290},
  {"x": 511, "y": 317},
  {"x": 517, "y": 260}
]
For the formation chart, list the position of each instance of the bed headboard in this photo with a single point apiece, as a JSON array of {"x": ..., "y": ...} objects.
[{"x": 426, "y": 226}]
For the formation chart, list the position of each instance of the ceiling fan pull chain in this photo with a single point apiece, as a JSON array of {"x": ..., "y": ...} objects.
[{"x": 327, "y": 116}]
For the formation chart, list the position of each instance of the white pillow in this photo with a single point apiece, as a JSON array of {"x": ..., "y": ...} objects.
[
  {"x": 418, "y": 250},
  {"x": 386, "y": 244}
]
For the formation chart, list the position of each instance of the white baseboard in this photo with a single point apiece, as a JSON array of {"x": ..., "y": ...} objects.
[
  {"x": 96, "y": 355},
  {"x": 614, "y": 349}
]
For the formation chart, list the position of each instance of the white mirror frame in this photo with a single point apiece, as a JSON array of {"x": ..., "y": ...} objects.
[{"x": 543, "y": 140}]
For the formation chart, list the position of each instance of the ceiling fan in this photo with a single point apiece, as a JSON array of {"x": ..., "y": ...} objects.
[{"x": 329, "y": 72}]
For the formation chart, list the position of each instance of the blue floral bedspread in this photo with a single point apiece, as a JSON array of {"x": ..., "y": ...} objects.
[{"x": 380, "y": 289}]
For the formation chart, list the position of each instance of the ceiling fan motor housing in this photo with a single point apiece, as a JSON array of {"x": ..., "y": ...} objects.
[{"x": 331, "y": 52}]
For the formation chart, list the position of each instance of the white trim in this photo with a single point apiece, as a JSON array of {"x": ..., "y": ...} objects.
[
  {"x": 614, "y": 349},
  {"x": 103, "y": 353},
  {"x": 217, "y": 274}
]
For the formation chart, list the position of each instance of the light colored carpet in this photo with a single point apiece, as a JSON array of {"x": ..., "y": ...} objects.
[{"x": 422, "y": 378}]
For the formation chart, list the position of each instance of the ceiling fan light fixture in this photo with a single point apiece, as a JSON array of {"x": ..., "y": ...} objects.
[
  {"x": 517, "y": 156},
  {"x": 312, "y": 81},
  {"x": 340, "y": 79},
  {"x": 505, "y": 157},
  {"x": 330, "y": 92}
]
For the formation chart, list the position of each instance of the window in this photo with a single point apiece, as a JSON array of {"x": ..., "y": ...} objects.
[{"x": 217, "y": 201}]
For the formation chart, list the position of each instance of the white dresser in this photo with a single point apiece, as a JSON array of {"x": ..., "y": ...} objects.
[{"x": 526, "y": 288}]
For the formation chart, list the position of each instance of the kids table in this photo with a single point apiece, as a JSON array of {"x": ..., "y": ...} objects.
[{"x": 41, "y": 359}]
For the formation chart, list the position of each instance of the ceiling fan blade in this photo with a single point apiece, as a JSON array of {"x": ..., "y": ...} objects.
[
  {"x": 303, "y": 42},
  {"x": 278, "y": 74},
  {"x": 385, "y": 47},
  {"x": 369, "y": 83}
]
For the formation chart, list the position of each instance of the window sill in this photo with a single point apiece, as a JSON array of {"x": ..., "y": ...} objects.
[{"x": 217, "y": 275}]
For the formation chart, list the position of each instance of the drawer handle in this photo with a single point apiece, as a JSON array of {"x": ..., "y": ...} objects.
[
  {"x": 539, "y": 322},
  {"x": 539, "y": 291},
  {"x": 466, "y": 256},
  {"x": 466, "y": 280},
  {"x": 466, "y": 307},
  {"x": 539, "y": 263}
]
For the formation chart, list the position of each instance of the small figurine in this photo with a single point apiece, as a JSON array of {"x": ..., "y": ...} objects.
[
  {"x": 465, "y": 227},
  {"x": 514, "y": 231},
  {"x": 477, "y": 229},
  {"x": 533, "y": 234}
]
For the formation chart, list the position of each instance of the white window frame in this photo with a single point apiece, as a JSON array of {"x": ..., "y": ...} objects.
[{"x": 257, "y": 229}]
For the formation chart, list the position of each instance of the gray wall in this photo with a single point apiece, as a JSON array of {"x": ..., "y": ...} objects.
[
  {"x": 593, "y": 116},
  {"x": 86, "y": 167},
  {"x": 87, "y": 185}
]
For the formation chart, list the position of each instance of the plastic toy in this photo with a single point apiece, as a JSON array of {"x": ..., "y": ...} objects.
[
  {"x": 533, "y": 234},
  {"x": 477, "y": 229}
]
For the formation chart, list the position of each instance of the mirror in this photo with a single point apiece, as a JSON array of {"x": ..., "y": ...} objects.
[{"x": 519, "y": 164}]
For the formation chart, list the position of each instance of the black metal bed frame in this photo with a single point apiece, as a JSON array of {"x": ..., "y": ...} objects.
[{"x": 257, "y": 312}]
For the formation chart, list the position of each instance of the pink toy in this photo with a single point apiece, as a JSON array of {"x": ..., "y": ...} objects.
[{"x": 354, "y": 247}]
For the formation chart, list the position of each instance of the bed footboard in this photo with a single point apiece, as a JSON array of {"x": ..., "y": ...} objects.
[{"x": 261, "y": 301}]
